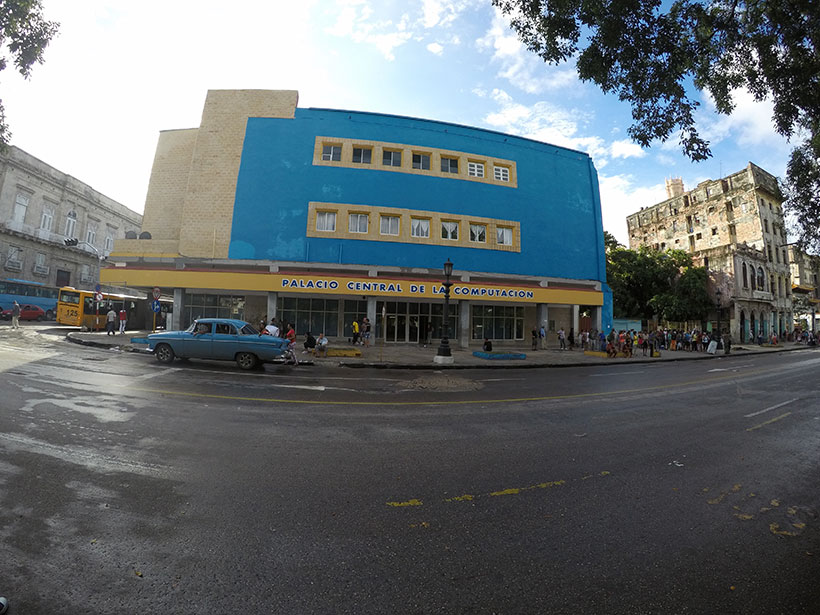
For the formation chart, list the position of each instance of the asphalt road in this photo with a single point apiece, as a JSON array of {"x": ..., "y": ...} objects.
[{"x": 127, "y": 486}]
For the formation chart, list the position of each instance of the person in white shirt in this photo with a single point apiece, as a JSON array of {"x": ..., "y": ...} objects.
[{"x": 272, "y": 328}]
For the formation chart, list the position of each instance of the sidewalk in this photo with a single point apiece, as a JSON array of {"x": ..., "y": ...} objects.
[{"x": 413, "y": 356}]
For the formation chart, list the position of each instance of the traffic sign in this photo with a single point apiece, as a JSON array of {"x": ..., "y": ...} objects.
[
  {"x": 99, "y": 297},
  {"x": 157, "y": 293},
  {"x": 155, "y": 306},
  {"x": 98, "y": 288}
]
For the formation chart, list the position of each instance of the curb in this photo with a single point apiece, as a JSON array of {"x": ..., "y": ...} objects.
[{"x": 71, "y": 337}]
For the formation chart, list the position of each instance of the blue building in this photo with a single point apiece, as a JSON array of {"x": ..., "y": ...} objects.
[{"x": 321, "y": 217}]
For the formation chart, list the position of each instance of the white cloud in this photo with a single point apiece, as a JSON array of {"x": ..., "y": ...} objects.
[
  {"x": 521, "y": 67},
  {"x": 626, "y": 149},
  {"x": 435, "y": 48},
  {"x": 620, "y": 197},
  {"x": 441, "y": 12},
  {"x": 545, "y": 122}
]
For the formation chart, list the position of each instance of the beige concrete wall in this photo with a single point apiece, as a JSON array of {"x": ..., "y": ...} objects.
[
  {"x": 169, "y": 184},
  {"x": 208, "y": 207}
]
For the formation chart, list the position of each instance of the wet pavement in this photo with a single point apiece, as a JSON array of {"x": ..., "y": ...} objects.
[{"x": 414, "y": 356}]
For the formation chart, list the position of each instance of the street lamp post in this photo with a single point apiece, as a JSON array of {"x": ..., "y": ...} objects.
[
  {"x": 443, "y": 355},
  {"x": 718, "y": 294}
]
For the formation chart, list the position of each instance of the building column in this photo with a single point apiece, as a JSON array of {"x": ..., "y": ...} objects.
[
  {"x": 576, "y": 309},
  {"x": 371, "y": 314},
  {"x": 464, "y": 324},
  {"x": 273, "y": 304},
  {"x": 176, "y": 317}
]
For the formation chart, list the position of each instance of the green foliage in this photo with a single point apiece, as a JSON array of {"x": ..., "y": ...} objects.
[
  {"x": 24, "y": 36},
  {"x": 610, "y": 243},
  {"x": 650, "y": 53},
  {"x": 648, "y": 283}
]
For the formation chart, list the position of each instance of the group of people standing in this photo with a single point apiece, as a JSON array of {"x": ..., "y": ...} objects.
[
  {"x": 361, "y": 332},
  {"x": 624, "y": 343}
]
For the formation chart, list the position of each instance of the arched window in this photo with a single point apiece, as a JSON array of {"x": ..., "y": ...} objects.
[
  {"x": 761, "y": 281},
  {"x": 754, "y": 280},
  {"x": 745, "y": 277}
]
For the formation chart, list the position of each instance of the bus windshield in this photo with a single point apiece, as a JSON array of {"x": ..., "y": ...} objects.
[{"x": 70, "y": 296}]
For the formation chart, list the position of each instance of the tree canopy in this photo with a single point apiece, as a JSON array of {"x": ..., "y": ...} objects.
[
  {"x": 24, "y": 36},
  {"x": 651, "y": 53},
  {"x": 649, "y": 283}
]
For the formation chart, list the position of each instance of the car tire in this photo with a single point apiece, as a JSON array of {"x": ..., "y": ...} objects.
[
  {"x": 246, "y": 360},
  {"x": 164, "y": 353},
  {"x": 40, "y": 318},
  {"x": 49, "y": 315}
]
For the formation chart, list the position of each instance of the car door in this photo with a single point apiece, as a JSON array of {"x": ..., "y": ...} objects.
[
  {"x": 197, "y": 344},
  {"x": 225, "y": 343}
]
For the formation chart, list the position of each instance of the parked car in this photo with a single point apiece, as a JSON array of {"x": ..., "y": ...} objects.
[
  {"x": 27, "y": 312},
  {"x": 218, "y": 338}
]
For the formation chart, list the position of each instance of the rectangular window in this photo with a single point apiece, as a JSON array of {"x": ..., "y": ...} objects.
[
  {"x": 421, "y": 161},
  {"x": 326, "y": 221},
  {"x": 391, "y": 158},
  {"x": 714, "y": 231},
  {"x": 357, "y": 223},
  {"x": 389, "y": 225},
  {"x": 449, "y": 230},
  {"x": 47, "y": 219},
  {"x": 478, "y": 233},
  {"x": 91, "y": 234},
  {"x": 449, "y": 165},
  {"x": 362, "y": 155},
  {"x": 109, "y": 243},
  {"x": 332, "y": 152},
  {"x": 70, "y": 225},
  {"x": 475, "y": 169},
  {"x": 20, "y": 206},
  {"x": 419, "y": 227},
  {"x": 766, "y": 225},
  {"x": 40, "y": 260},
  {"x": 503, "y": 236},
  {"x": 502, "y": 174}
]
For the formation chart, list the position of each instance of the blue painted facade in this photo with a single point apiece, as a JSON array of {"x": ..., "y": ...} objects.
[{"x": 556, "y": 202}]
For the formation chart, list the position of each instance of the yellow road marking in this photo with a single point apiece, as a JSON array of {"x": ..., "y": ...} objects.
[
  {"x": 782, "y": 416},
  {"x": 413, "y": 502}
]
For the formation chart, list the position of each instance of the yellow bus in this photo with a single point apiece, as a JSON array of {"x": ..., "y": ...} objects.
[{"x": 80, "y": 308}]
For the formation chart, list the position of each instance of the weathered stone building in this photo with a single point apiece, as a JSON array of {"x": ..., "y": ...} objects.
[
  {"x": 734, "y": 227},
  {"x": 805, "y": 271},
  {"x": 40, "y": 207}
]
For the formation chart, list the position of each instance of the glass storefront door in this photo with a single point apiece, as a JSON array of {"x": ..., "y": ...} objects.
[{"x": 411, "y": 322}]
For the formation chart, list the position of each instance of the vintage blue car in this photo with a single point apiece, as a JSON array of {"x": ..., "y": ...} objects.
[{"x": 218, "y": 338}]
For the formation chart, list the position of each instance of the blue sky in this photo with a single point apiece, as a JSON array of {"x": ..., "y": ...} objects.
[{"x": 120, "y": 72}]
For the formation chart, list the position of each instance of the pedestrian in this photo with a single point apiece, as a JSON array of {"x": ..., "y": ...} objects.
[
  {"x": 488, "y": 345},
  {"x": 562, "y": 339},
  {"x": 727, "y": 343},
  {"x": 310, "y": 343},
  {"x": 534, "y": 334},
  {"x": 321, "y": 345},
  {"x": 290, "y": 334},
  {"x": 355, "y": 331},
  {"x": 15, "y": 316},
  {"x": 123, "y": 320},
  {"x": 572, "y": 338},
  {"x": 542, "y": 334},
  {"x": 366, "y": 331},
  {"x": 272, "y": 329},
  {"x": 110, "y": 321}
]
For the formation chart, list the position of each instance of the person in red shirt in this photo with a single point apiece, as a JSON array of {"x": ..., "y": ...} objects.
[{"x": 123, "y": 320}]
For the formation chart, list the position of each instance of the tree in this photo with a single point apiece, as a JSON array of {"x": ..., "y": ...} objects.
[
  {"x": 652, "y": 53},
  {"x": 610, "y": 243},
  {"x": 648, "y": 283},
  {"x": 24, "y": 36}
]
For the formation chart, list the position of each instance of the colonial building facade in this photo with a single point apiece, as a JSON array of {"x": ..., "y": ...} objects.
[
  {"x": 734, "y": 228},
  {"x": 41, "y": 207},
  {"x": 323, "y": 216}
]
